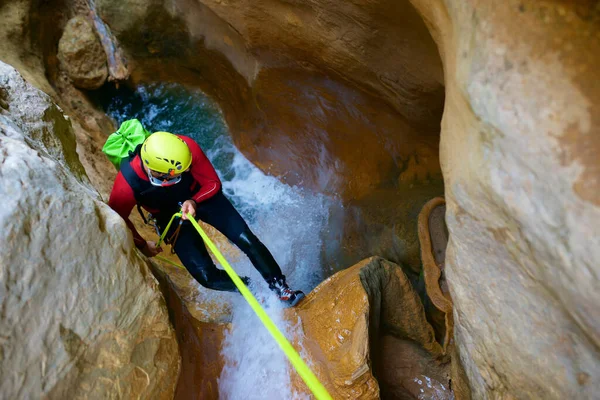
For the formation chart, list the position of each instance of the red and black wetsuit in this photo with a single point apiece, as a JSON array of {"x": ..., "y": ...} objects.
[{"x": 201, "y": 184}]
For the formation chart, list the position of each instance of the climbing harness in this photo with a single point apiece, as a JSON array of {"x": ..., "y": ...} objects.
[
  {"x": 151, "y": 220},
  {"x": 313, "y": 383},
  {"x": 173, "y": 239}
]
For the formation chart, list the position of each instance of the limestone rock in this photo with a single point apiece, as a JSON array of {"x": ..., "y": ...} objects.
[
  {"x": 359, "y": 323},
  {"x": 81, "y": 314},
  {"x": 518, "y": 148},
  {"x": 81, "y": 54},
  {"x": 434, "y": 239},
  {"x": 519, "y": 152},
  {"x": 18, "y": 47},
  {"x": 48, "y": 130}
]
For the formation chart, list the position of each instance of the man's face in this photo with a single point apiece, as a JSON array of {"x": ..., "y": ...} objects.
[{"x": 163, "y": 179}]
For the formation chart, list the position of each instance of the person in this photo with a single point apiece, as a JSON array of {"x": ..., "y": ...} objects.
[{"x": 168, "y": 172}]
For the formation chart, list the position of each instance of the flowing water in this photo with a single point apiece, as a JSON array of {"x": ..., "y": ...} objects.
[{"x": 293, "y": 223}]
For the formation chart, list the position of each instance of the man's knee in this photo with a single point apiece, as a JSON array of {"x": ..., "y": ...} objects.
[
  {"x": 203, "y": 275},
  {"x": 202, "y": 279}
]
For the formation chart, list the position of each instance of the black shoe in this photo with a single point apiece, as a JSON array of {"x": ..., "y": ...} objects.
[{"x": 286, "y": 295}]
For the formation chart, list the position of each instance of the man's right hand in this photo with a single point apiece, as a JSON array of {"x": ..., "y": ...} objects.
[{"x": 150, "y": 250}]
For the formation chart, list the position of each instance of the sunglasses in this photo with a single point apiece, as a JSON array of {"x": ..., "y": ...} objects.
[{"x": 161, "y": 179}]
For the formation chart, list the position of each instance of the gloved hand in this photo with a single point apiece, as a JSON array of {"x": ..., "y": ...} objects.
[{"x": 188, "y": 206}]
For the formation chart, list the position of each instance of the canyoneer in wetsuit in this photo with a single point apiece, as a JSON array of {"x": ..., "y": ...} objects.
[{"x": 168, "y": 170}]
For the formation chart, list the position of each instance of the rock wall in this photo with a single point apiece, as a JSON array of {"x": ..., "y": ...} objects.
[
  {"x": 200, "y": 340},
  {"x": 16, "y": 46},
  {"x": 363, "y": 332},
  {"x": 519, "y": 144},
  {"x": 29, "y": 36},
  {"x": 81, "y": 313}
]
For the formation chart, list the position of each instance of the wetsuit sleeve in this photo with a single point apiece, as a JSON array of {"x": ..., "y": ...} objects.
[
  {"x": 122, "y": 200},
  {"x": 203, "y": 172}
]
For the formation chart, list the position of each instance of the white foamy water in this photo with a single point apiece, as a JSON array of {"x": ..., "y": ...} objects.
[
  {"x": 430, "y": 389},
  {"x": 255, "y": 367},
  {"x": 290, "y": 221}
]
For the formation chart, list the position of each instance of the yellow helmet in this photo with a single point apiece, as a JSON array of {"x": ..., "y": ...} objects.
[{"x": 166, "y": 153}]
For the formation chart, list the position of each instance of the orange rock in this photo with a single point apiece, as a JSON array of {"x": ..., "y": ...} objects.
[
  {"x": 200, "y": 342},
  {"x": 345, "y": 320},
  {"x": 432, "y": 225}
]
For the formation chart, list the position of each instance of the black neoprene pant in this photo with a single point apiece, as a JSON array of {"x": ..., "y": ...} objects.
[{"x": 189, "y": 247}]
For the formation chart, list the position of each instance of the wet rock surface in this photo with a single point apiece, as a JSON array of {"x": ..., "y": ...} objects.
[
  {"x": 408, "y": 372},
  {"x": 365, "y": 335},
  {"x": 200, "y": 341}
]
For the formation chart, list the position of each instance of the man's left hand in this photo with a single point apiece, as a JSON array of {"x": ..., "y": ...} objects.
[{"x": 188, "y": 207}]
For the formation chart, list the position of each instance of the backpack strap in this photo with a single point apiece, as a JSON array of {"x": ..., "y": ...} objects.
[{"x": 139, "y": 186}]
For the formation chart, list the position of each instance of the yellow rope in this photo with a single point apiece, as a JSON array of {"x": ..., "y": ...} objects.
[
  {"x": 305, "y": 373},
  {"x": 169, "y": 262}
]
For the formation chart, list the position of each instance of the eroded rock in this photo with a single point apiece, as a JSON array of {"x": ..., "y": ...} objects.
[
  {"x": 81, "y": 54},
  {"x": 518, "y": 147},
  {"x": 433, "y": 237},
  {"x": 81, "y": 313},
  {"x": 365, "y": 335},
  {"x": 409, "y": 372},
  {"x": 367, "y": 321},
  {"x": 519, "y": 151}
]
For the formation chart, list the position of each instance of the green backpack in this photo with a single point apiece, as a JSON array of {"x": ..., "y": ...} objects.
[{"x": 118, "y": 146}]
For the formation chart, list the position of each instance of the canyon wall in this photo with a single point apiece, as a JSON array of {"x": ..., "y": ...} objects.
[
  {"x": 81, "y": 314},
  {"x": 519, "y": 144},
  {"x": 346, "y": 98}
]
